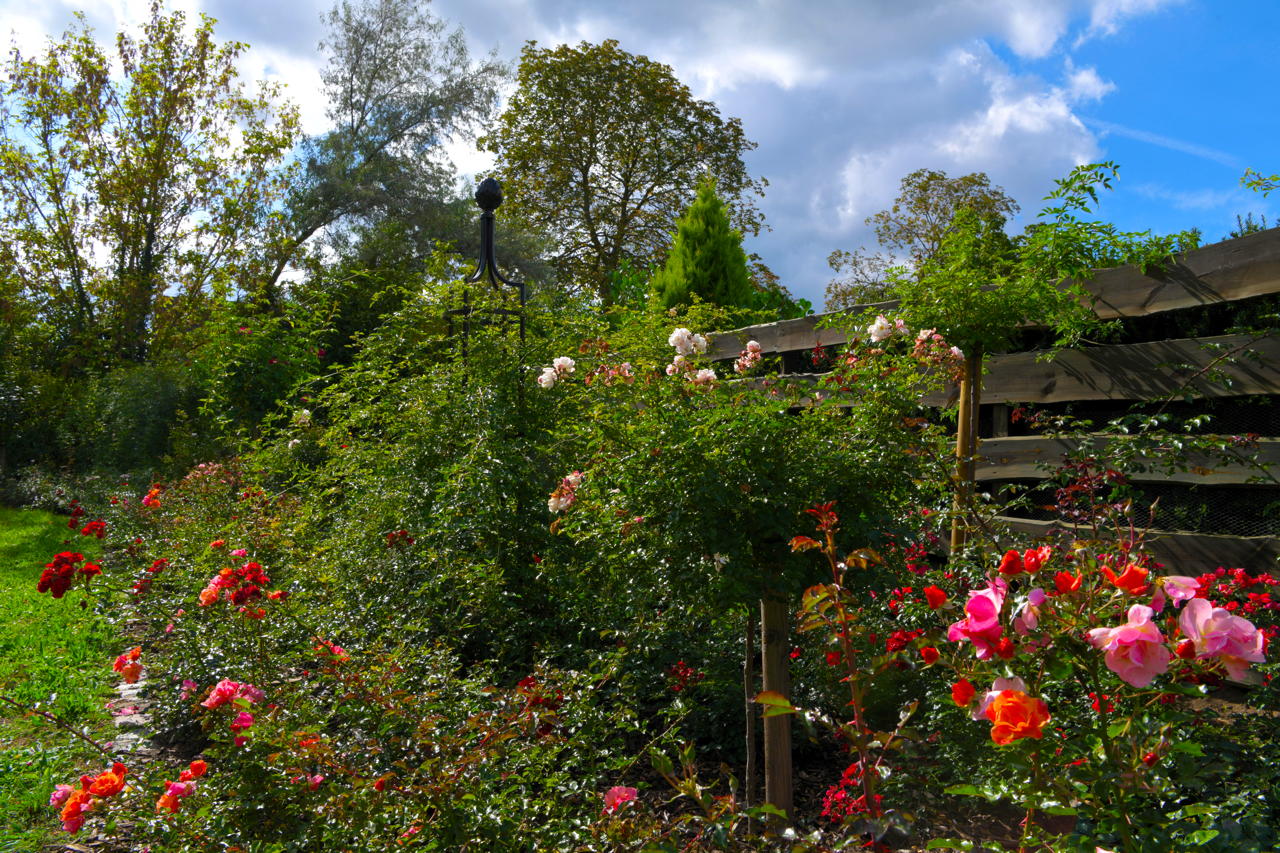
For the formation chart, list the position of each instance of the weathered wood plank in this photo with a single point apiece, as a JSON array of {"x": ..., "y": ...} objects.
[
  {"x": 1180, "y": 552},
  {"x": 1234, "y": 269},
  {"x": 1021, "y": 457},
  {"x": 1221, "y": 272},
  {"x": 801, "y": 333},
  {"x": 1147, "y": 371}
]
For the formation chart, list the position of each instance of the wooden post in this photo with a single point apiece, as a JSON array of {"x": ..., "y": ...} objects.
[
  {"x": 966, "y": 447},
  {"x": 775, "y": 626},
  {"x": 749, "y": 703}
]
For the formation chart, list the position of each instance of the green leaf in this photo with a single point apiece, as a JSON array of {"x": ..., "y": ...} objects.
[
  {"x": 775, "y": 704},
  {"x": 1117, "y": 728},
  {"x": 948, "y": 844},
  {"x": 1203, "y": 836},
  {"x": 965, "y": 791}
]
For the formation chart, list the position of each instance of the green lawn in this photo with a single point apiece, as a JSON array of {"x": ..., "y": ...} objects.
[{"x": 53, "y": 655}]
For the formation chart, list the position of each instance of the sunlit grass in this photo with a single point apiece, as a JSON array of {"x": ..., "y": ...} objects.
[{"x": 54, "y": 655}]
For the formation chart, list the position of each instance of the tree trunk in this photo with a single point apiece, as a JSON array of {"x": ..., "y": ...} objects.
[{"x": 775, "y": 624}]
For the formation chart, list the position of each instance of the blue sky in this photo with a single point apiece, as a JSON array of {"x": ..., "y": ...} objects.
[{"x": 845, "y": 97}]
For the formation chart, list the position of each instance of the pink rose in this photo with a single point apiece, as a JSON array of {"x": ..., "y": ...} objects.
[
  {"x": 59, "y": 796},
  {"x": 617, "y": 796},
  {"x": 1179, "y": 588},
  {"x": 1135, "y": 650},
  {"x": 981, "y": 625},
  {"x": 1026, "y": 621},
  {"x": 1216, "y": 632}
]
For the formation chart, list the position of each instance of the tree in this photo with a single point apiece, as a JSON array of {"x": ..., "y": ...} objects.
[
  {"x": 914, "y": 227},
  {"x": 399, "y": 84},
  {"x": 130, "y": 194},
  {"x": 602, "y": 151},
  {"x": 706, "y": 257}
]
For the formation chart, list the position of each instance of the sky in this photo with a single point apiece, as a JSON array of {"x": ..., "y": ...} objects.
[{"x": 845, "y": 97}]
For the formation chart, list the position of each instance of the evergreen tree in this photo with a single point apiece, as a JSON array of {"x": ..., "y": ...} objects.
[{"x": 706, "y": 257}]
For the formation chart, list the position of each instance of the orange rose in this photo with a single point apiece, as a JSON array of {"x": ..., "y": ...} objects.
[
  {"x": 1132, "y": 580},
  {"x": 75, "y": 804},
  {"x": 1015, "y": 715},
  {"x": 109, "y": 782}
]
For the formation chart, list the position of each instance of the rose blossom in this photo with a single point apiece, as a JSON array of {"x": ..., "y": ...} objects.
[
  {"x": 617, "y": 796},
  {"x": 880, "y": 329},
  {"x": 981, "y": 625},
  {"x": 1135, "y": 650},
  {"x": 1216, "y": 632}
]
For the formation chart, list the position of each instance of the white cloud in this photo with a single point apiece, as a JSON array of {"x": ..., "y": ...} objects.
[
  {"x": 1203, "y": 152},
  {"x": 843, "y": 98},
  {"x": 1107, "y": 16}
]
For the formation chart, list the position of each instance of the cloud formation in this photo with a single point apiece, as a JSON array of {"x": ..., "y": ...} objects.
[{"x": 843, "y": 98}]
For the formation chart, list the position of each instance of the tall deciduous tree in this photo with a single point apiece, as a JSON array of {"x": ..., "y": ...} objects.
[
  {"x": 912, "y": 231},
  {"x": 706, "y": 257},
  {"x": 130, "y": 193},
  {"x": 399, "y": 83},
  {"x": 602, "y": 150}
]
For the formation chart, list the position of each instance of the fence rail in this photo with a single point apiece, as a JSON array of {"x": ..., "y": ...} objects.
[
  {"x": 1229, "y": 271},
  {"x": 1222, "y": 272}
]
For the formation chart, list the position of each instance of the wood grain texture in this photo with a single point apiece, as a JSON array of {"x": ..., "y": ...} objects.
[
  {"x": 1235, "y": 269},
  {"x": 1149, "y": 371},
  {"x": 1183, "y": 553},
  {"x": 1022, "y": 457}
]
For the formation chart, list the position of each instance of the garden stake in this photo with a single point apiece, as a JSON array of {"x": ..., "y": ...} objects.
[
  {"x": 749, "y": 704},
  {"x": 966, "y": 447},
  {"x": 775, "y": 624}
]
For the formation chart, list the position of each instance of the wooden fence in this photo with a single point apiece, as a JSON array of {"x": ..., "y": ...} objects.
[{"x": 1221, "y": 366}]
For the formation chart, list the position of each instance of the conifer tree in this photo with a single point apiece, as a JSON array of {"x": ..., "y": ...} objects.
[{"x": 706, "y": 257}]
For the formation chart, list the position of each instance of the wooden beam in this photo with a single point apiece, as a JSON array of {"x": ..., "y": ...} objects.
[
  {"x": 1235, "y": 269},
  {"x": 1221, "y": 272},
  {"x": 1149, "y": 371},
  {"x": 1182, "y": 553},
  {"x": 1022, "y": 458}
]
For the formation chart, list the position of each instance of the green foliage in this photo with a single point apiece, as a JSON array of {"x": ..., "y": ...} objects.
[
  {"x": 915, "y": 227},
  {"x": 143, "y": 162},
  {"x": 601, "y": 150},
  {"x": 53, "y": 657},
  {"x": 705, "y": 258},
  {"x": 978, "y": 288}
]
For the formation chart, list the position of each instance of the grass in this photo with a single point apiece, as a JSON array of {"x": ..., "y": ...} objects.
[{"x": 54, "y": 655}]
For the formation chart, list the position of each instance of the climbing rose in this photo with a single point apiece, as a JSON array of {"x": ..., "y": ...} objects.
[
  {"x": 962, "y": 692},
  {"x": 705, "y": 376},
  {"x": 935, "y": 597},
  {"x": 1135, "y": 650},
  {"x": 686, "y": 342},
  {"x": 880, "y": 329},
  {"x": 617, "y": 796},
  {"x": 929, "y": 655},
  {"x": 1216, "y": 632},
  {"x": 547, "y": 378},
  {"x": 997, "y": 687}
]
